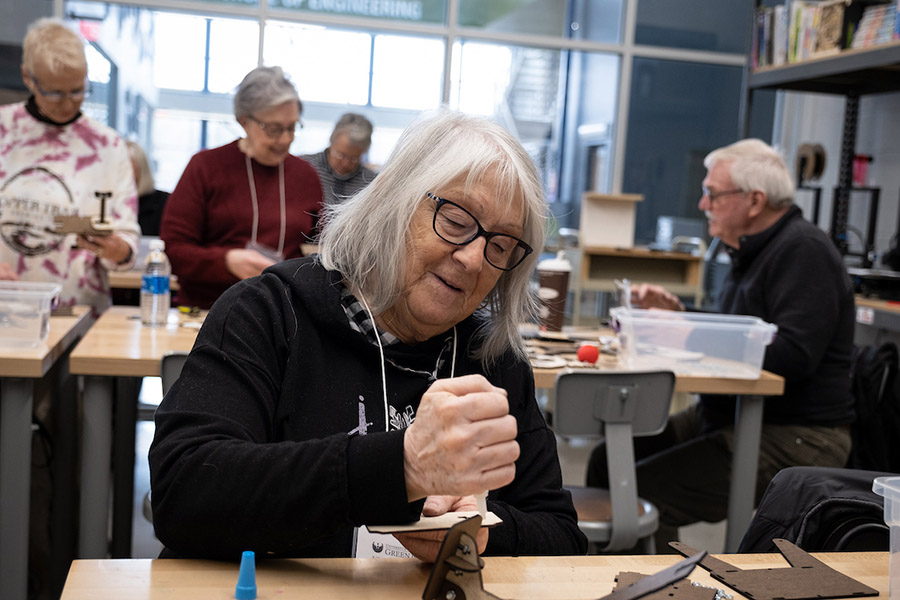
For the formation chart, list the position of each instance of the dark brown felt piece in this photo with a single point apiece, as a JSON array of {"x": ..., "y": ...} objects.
[
  {"x": 680, "y": 590},
  {"x": 806, "y": 578}
]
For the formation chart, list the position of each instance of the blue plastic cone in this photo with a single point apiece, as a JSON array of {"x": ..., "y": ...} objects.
[{"x": 246, "y": 585}]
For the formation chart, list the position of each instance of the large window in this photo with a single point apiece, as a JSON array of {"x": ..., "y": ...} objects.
[
  {"x": 547, "y": 70},
  {"x": 679, "y": 113}
]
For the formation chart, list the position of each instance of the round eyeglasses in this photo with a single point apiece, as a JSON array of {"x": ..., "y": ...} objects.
[
  {"x": 276, "y": 130},
  {"x": 455, "y": 225},
  {"x": 58, "y": 96},
  {"x": 353, "y": 160}
]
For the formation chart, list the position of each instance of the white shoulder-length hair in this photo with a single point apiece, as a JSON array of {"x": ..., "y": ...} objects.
[{"x": 365, "y": 238}]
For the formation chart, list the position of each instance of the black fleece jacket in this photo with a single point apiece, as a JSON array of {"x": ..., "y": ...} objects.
[
  {"x": 792, "y": 275},
  {"x": 273, "y": 439}
]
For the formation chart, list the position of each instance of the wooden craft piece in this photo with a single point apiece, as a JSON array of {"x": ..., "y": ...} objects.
[
  {"x": 81, "y": 225},
  {"x": 86, "y": 225},
  {"x": 456, "y": 574},
  {"x": 806, "y": 579}
]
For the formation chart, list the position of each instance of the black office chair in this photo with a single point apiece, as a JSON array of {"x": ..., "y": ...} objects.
[{"x": 618, "y": 405}]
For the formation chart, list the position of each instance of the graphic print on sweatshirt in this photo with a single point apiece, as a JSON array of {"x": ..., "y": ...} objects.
[
  {"x": 397, "y": 419},
  {"x": 29, "y": 201}
]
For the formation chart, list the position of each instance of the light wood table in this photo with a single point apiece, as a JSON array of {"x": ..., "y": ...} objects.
[
  {"x": 537, "y": 578},
  {"x": 679, "y": 272},
  {"x": 20, "y": 370},
  {"x": 117, "y": 346},
  {"x": 748, "y": 421}
]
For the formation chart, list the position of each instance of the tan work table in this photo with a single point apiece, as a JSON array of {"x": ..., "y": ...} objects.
[
  {"x": 537, "y": 578},
  {"x": 747, "y": 431},
  {"x": 20, "y": 370},
  {"x": 117, "y": 346}
]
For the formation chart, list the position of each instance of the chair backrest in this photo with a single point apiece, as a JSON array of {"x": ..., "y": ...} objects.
[
  {"x": 618, "y": 405},
  {"x": 588, "y": 399},
  {"x": 170, "y": 368}
]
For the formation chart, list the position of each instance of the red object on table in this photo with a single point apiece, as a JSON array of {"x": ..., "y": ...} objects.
[{"x": 588, "y": 353}]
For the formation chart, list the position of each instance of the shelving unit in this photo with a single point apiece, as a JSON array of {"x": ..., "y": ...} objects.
[{"x": 851, "y": 73}]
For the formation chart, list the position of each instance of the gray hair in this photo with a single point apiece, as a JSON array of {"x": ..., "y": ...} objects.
[
  {"x": 264, "y": 88},
  {"x": 755, "y": 165},
  {"x": 366, "y": 238},
  {"x": 51, "y": 43},
  {"x": 357, "y": 128}
]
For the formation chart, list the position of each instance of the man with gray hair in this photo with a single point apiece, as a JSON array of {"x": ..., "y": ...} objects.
[
  {"x": 340, "y": 165},
  {"x": 786, "y": 271}
]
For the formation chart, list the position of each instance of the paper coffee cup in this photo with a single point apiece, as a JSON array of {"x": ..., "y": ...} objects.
[{"x": 553, "y": 278}]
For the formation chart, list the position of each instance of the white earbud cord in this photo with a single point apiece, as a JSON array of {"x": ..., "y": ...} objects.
[{"x": 381, "y": 354}]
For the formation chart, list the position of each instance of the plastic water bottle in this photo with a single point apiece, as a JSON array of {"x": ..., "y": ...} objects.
[{"x": 155, "y": 295}]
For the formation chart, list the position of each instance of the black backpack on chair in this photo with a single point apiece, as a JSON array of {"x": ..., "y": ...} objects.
[{"x": 876, "y": 390}]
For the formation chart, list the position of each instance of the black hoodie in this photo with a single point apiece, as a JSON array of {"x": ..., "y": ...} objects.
[{"x": 273, "y": 439}]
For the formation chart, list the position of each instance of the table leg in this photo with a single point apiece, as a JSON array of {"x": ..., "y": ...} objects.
[
  {"x": 745, "y": 461},
  {"x": 96, "y": 447},
  {"x": 16, "y": 399},
  {"x": 127, "y": 390}
]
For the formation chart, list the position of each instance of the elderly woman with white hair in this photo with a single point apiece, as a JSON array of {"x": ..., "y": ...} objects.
[
  {"x": 378, "y": 380},
  {"x": 242, "y": 207},
  {"x": 55, "y": 161}
]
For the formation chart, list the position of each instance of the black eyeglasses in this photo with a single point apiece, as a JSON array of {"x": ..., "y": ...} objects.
[
  {"x": 713, "y": 195},
  {"x": 58, "y": 96},
  {"x": 276, "y": 130},
  {"x": 455, "y": 225}
]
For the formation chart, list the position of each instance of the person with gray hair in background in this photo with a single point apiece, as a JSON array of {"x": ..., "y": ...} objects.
[
  {"x": 378, "y": 380},
  {"x": 340, "y": 165},
  {"x": 242, "y": 207},
  {"x": 786, "y": 271}
]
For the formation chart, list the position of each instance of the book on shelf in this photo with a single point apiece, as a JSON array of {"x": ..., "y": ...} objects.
[
  {"x": 876, "y": 26},
  {"x": 830, "y": 30},
  {"x": 802, "y": 29}
]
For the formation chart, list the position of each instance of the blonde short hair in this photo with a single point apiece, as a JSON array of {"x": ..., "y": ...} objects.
[{"x": 51, "y": 43}]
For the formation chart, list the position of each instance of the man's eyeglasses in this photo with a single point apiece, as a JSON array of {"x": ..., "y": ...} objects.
[
  {"x": 713, "y": 195},
  {"x": 276, "y": 130},
  {"x": 353, "y": 160},
  {"x": 455, "y": 225},
  {"x": 58, "y": 96}
]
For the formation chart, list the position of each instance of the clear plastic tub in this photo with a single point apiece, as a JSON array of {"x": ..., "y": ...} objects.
[
  {"x": 889, "y": 487},
  {"x": 25, "y": 313},
  {"x": 729, "y": 346}
]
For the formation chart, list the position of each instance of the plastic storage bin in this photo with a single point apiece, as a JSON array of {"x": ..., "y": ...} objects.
[
  {"x": 25, "y": 313},
  {"x": 692, "y": 343},
  {"x": 889, "y": 487}
]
